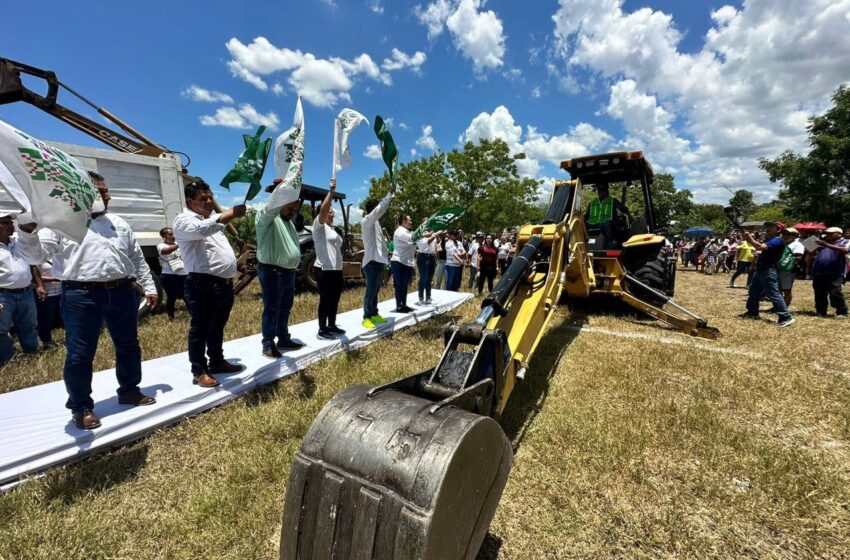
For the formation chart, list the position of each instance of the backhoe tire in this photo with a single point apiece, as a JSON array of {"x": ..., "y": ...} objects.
[
  {"x": 653, "y": 270},
  {"x": 306, "y": 274}
]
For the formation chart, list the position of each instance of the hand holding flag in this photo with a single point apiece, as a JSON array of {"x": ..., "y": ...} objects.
[{"x": 438, "y": 221}]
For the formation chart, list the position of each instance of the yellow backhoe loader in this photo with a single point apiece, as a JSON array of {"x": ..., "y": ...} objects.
[{"x": 414, "y": 469}]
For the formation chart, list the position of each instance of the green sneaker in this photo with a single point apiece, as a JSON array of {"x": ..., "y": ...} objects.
[
  {"x": 378, "y": 319},
  {"x": 368, "y": 323}
]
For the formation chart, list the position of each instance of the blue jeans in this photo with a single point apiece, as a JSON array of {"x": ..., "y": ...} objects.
[
  {"x": 441, "y": 274},
  {"x": 766, "y": 284},
  {"x": 278, "y": 286},
  {"x": 46, "y": 312},
  {"x": 373, "y": 271},
  {"x": 401, "y": 281},
  {"x": 17, "y": 309},
  {"x": 84, "y": 311},
  {"x": 425, "y": 265},
  {"x": 209, "y": 302},
  {"x": 453, "y": 277}
]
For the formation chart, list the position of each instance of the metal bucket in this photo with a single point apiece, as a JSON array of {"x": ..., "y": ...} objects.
[{"x": 382, "y": 477}]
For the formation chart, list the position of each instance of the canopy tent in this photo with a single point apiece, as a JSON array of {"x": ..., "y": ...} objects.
[
  {"x": 699, "y": 231},
  {"x": 810, "y": 227}
]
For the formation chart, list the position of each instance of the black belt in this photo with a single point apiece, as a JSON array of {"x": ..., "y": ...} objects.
[
  {"x": 211, "y": 278},
  {"x": 108, "y": 285},
  {"x": 14, "y": 290}
]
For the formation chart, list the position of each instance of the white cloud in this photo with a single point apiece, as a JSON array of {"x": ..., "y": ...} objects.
[
  {"x": 373, "y": 151},
  {"x": 376, "y": 7},
  {"x": 582, "y": 139},
  {"x": 711, "y": 112},
  {"x": 197, "y": 93},
  {"x": 426, "y": 140},
  {"x": 322, "y": 82},
  {"x": 477, "y": 34},
  {"x": 535, "y": 93},
  {"x": 403, "y": 126},
  {"x": 401, "y": 60},
  {"x": 243, "y": 117},
  {"x": 277, "y": 89}
]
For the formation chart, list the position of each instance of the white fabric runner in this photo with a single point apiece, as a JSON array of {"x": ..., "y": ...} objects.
[{"x": 36, "y": 431}]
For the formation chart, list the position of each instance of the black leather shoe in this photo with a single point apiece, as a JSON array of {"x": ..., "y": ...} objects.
[
  {"x": 289, "y": 345},
  {"x": 325, "y": 334},
  {"x": 336, "y": 330},
  {"x": 271, "y": 352}
]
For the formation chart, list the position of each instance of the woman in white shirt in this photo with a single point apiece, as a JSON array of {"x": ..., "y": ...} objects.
[
  {"x": 426, "y": 264},
  {"x": 173, "y": 275},
  {"x": 328, "y": 266},
  {"x": 404, "y": 253},
  {"x": 504, "y": 250}
]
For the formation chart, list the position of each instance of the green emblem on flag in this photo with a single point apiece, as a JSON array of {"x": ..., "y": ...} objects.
[
  {"x": 54, "y": 166},
  {"x": 389, "y": 152},
  {"x": 439, "y": 220},
  {"x": 251, "y": 164}
]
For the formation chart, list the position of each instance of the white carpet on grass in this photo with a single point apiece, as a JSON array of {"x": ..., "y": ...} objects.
[{"x": 36, "y": 431}]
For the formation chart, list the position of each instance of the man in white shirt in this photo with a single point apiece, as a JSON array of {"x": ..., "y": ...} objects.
[
  {"x": 404, "y": 256},
  {"x": 426, "y": 263},
  {"x": 211, "y": 265},
  {"x": 17, "y": 304},
  {"x": 97, "y": 287},
  {"x": 374, "y": 257}
]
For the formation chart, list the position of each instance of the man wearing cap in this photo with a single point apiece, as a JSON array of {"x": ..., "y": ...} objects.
[
  {"x": 787, "y": 266},
  {"x": 211, "y": 265},
  {"x": 472, "y": 258},
  {"x": 602, "y": 211},
  {"x": 828, "y": 273},
  {"x": 97, "y": 288},
  {"x": 17, "y": 303},
  {"x": 765, "y": 282}
]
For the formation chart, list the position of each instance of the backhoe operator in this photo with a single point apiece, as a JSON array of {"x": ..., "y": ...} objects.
[{"x": 602, "y": 212}]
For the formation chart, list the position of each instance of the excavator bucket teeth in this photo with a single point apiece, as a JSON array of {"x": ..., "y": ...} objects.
[{"x": 384, "y": 476}]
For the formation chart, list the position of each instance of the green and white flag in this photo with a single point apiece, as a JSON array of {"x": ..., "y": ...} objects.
[
  {"x": 389, "y": 152},
  {"x": 50, "y": 185},
  {"x": 345, "y": 122},
  {"x": 289, "y": 160},
  {"x": 439, "y": 220},
  {"x": 249, "y": 167}
]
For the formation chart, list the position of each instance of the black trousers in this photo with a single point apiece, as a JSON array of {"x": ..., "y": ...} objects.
[
  {"x": 173, "y": 285},
  {"x": 330, "y": 287},
  {"x": 486, "y": 273},
  {"x": 210, "y": 301},
  {"x": 828, "y": 287}
]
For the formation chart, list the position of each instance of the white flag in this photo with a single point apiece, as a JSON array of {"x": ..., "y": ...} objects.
[
  {"x": 57, "y": 189},
  {"x": 289, "y": 160},
  {"x": 345, "y": 122}
]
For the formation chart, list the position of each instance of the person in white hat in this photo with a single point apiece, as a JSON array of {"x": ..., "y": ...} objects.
[
  {"x": 17, "y": 303},
  {"x": 828, "y": 273}
]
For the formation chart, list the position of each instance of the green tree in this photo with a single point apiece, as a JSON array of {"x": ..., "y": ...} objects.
[
  {"x": 710, "y": 215},
  {"x": 481, "y": 177},
  {"x": 246, "y": 228},
  {"x": 672, "y": 205},
  {"x": 742, "y": 204},
  {"x": 817, "y": 186}
]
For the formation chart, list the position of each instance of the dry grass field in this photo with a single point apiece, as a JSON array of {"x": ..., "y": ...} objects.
[{"x": 632, "y": 441}]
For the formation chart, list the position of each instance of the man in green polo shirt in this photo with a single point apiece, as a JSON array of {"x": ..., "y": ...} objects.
[
  {"x": 602, "y": 211},
  {"x": 278, "y": 253}
]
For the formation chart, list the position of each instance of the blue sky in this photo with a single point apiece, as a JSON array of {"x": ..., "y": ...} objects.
[{"x": 703, "y": 87}]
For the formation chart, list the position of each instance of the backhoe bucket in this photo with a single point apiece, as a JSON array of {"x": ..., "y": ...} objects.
[{"x": 393, "y": 476}]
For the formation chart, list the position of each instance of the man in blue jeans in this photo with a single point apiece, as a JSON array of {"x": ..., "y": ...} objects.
[
  {"x": 278, "y": 253},
  {"x": 97, "y": 287},
  {"x": 765, "y": 283},
  {"x": 374, "y": 257},
  {"x": 17, "y": 303}
]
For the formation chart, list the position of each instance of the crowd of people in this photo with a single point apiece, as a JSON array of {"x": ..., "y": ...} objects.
[
  {"x": 94, "y": 282},
  {"x": 773, "y": 260}
]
